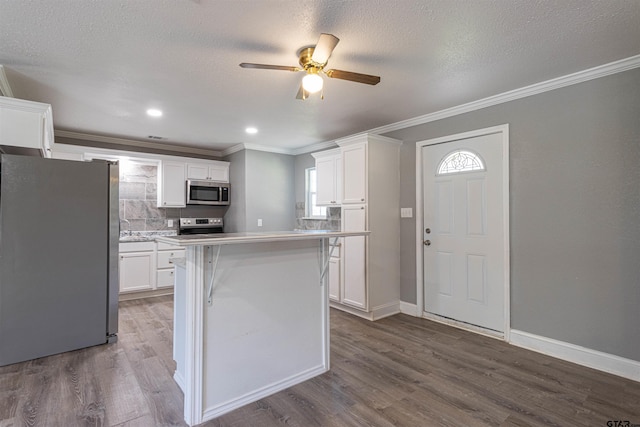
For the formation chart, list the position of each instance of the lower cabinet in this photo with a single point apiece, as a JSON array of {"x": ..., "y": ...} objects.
[
  {"x": 137, "y": 265},
  {"x": 354, "y": 290},
  {"x": 335, "y": 275},
  {"x": 147, "y": 266},
  {"x": 164, "y": 265}
]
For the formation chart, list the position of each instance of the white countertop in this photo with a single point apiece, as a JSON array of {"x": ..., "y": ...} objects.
[{"x": 253, "y": 237}]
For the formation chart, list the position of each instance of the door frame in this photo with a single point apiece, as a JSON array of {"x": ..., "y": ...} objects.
[{"x": 504, "y": 131}]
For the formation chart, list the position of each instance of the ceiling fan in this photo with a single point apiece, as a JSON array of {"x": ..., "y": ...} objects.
[{"x": 313, "y": 59}]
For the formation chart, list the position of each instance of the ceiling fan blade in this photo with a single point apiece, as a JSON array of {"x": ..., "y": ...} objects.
[
  {"x": 324, "y": 47},
  {"x": 302, "y": 94},
  {"x": 269, "y": 67},
  {"x": 353, "y": 77}
]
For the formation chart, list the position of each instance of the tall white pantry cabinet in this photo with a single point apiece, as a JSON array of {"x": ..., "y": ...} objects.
[{"x": 369, "y": 197}]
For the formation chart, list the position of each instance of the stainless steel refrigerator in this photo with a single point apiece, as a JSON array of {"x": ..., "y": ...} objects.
[{"x": 59, "y": 232}]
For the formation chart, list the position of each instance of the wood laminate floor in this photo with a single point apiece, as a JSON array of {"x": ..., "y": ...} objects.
[{"x": 399, "y": 371}]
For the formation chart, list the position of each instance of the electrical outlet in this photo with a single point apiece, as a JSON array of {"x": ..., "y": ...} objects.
[
  {"x": 169, "y": 223},
  {"x": 406, "y": 212},
  {"x": 259, "y": 222}
]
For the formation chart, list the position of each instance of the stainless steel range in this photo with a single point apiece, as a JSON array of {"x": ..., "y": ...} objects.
[{"x": 200, "y": 225}]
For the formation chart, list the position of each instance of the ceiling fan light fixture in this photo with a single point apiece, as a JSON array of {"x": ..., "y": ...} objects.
[{"x": 312, "y": 83}]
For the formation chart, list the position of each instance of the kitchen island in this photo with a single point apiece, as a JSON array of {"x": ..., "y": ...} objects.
[{"x": 251, "y": 316}]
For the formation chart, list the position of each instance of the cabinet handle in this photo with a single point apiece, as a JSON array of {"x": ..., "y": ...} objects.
[
  {"x": 121, "y": 257},
  {"x": 362, "y": 200}
]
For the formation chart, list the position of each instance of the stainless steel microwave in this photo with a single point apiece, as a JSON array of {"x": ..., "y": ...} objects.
[{"x": 213, "y": 193}]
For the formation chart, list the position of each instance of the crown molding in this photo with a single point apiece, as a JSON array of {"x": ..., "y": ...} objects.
[
  {"x": 234, "y": 149},
  {"x": 135, "y": 143},
  {"x": 257, "y": 147},
  {"x": 534, "y": 89},
  {"x": 5, "y": 89},
  {"x": 314, "y": 147},
  {"x": 360, "y": 137},
  {"x": 512, "y": 95}
]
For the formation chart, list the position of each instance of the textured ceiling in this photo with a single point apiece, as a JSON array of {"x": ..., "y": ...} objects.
[{"x": 101, "y": 64}]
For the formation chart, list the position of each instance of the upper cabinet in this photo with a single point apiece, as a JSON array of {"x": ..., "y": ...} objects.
[
  {"x": 354, "y": 181},
  {"x": 26, "y": 127},
  {"x": 328, "y": 177},
  {"x": 172, "y": 185},
  {"x": 214, "y": 171},
  {"x": 173, "y": 175}
]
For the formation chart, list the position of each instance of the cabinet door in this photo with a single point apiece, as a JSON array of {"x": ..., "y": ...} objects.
[
  {"x": 337, "y": 161},
  {"x": 326, "y": 181},
  {"x": 164, "y": 257},
  {"x": 204, "y": 171},
  {"x": 165, "y": 278},
  {"x": 354, "y": 173},
  {"x": 219, "y": 173},
  {"x": 334, "y": 279},
  {"x": 197, "y": 171},
  {"x": 136, "y": 271},
  {"x": 172, "y": 191},
  {"x": 354, "y": 289}
]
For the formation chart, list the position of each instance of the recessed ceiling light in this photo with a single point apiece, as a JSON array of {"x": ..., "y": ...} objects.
[
  {"x": 251, "y": 130},
  {"x": 154, "y": 112}
]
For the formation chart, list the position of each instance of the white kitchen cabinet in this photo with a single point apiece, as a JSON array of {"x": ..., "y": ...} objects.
[
  {"x": 214, "y": 171},
  {"x": 137, "y": 265},
  {"x": 165, "y": 267},
  {"x": 354, "y": 289},
  {"x": 371, "y": 201},
  {"x": 26, "y": 127},
  {"x": 147, "y": 266},
  {"x": 335, "y": 272},
  {"x": 328, "y": 177},
  {"x": 354, "y": 170},
  {"x": 335, "y": 284},
  {"x": 171, "y": 185}
]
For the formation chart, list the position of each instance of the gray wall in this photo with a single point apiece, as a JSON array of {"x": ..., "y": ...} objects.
[
  {"x": 574, "y": 210},
  {"x": 235, "y": 218},
  {"x": 262, "y": 187},
  {"x": 269, "y": 191}
]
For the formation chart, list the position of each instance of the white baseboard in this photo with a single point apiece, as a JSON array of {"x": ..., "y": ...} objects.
[
  {"x": 179, "y": 379},
  {"x": 215, "y": 411},
  {"x": 408, "y": 308},
  {"x": 383, "y": 311},
  {"x": 606, "y": 362},
  {"x": 375, "y": 313}
]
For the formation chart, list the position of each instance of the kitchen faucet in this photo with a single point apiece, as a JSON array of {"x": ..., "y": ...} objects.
[{"x": 127, "y": 221}]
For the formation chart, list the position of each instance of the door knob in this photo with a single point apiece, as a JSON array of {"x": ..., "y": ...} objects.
[{"x": 427, "y": 242}]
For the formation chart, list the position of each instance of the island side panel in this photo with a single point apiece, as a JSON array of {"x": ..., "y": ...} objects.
[{"x": 267, "y": 326}]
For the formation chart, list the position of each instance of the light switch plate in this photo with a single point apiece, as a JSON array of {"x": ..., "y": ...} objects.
[
  {"x": 406, "y": 212},
  {"x": 169, "y": 223},
  {"x": 260, "y": 223}
]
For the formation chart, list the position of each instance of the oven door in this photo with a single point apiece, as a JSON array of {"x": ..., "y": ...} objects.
[{"x": 207, "y": 193}]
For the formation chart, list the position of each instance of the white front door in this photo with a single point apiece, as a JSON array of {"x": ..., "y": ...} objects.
[{"x": 464, "y": 233}]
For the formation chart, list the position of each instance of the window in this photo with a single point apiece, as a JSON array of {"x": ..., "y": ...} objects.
[
  {"x": 311, "y": 210},
  {"x": 460, "y": 161}
]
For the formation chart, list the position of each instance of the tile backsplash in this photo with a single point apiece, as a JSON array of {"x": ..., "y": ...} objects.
[
  {"x": 333, "y": 221},
  {"x": 138, "y": 201}
]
